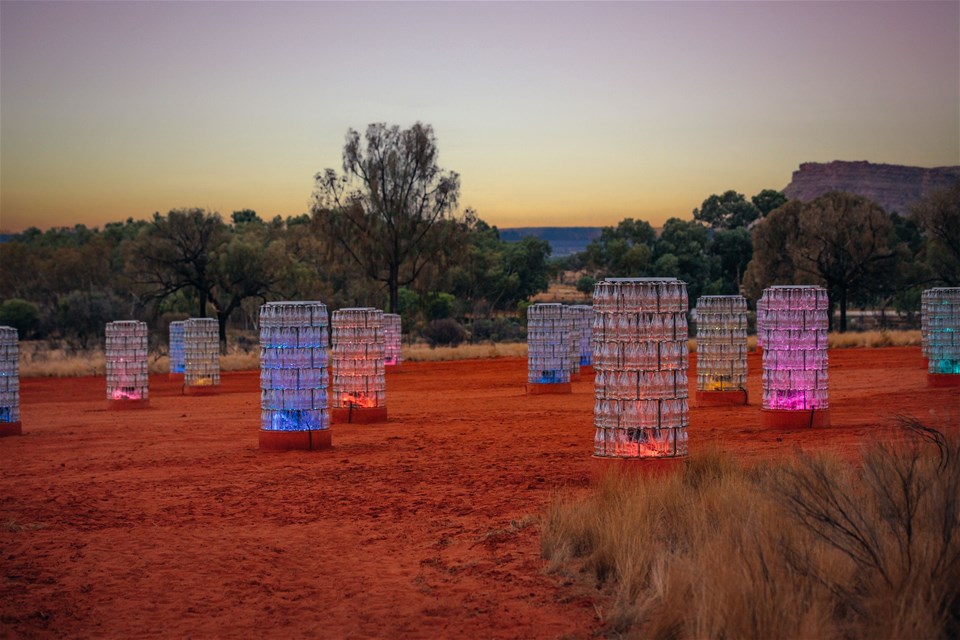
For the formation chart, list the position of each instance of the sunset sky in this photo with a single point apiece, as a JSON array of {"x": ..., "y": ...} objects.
[{"x": 554, "y": 114}]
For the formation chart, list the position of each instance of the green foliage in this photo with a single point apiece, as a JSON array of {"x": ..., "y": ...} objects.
[
  {"x": 444, "y": 332},
  {"x": 938, "y": 215},
  {"x": 83, "y": 315},
  {"x": 728, "y": 211},
  {"x": 245, "y": 216},
  {"x": 585, "y": 284},
  {"x": 500, "y": 273},
  {"x": 496, "y": 330},
  {"x": 438, "y": 305},
  {"x": 22, "y": 315},
  {"x": 768, "y": 200}
]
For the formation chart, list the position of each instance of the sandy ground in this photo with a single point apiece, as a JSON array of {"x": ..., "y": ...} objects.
[{"x": 169, "y": 522}]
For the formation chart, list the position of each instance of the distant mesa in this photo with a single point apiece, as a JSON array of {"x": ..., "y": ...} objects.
[
  {"x": 894, "y": 187},
  {"x": 564, "y": 241}
]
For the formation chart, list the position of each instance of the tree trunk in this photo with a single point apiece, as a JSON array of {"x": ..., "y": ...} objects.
[
  {"x": 222, "y": 324},
  {"x": 843, "y": 310},
  {"x": 394, "y": 287}
]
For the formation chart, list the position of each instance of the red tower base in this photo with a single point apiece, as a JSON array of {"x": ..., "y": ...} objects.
[
  {"x": 575, "y": 377},
  {"x": 393, "y": 368},
  {"x": 943, "y": 379},
  {"x": 142, "y": 403},
  {"x": 657, "y": 467},
  {"x": 721, "y": 398},
  {"x": 295, "y": 440},
  {"x": 10, "y": 429},
  {"x": 174, "y": 376},
  {"x": 358, "y": 415},
  {"x": 587, "y": 370},
  {"x": 201, "y": 390},
  {"x": 534, "y": 389},
  {"x": 795, "y": 419}
]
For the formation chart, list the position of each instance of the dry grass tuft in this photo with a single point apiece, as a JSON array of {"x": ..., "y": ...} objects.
[
  {"x": 423, "y": 353},
  {"x": 812, "y": 548}
]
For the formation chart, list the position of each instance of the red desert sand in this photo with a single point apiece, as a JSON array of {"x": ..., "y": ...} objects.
[{"x": 170, "y": 522}]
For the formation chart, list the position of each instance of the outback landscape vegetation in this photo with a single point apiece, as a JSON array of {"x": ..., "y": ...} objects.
[{"x": 475, "y": 509}]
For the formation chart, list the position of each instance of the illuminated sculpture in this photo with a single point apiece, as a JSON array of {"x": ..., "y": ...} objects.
[
  {"x": 126, "y": 353},
  {"x": 761, "y": 310},
  {"x": 9, "y": 382},
  {"x": 721, "y": 350},
  {"x": 586, "y": 337},
  {"x": 391, "y": 339},
  {"x": 201, "y": 373},
  {"x": 573, "y": 339},
  {"x": 359, "y": 384},
  {"x": 940, "y": 328},
  {"x": 293, "y": 376},
  {"x": 640, "y": 358},
  {"x": 794, "y": 334},
  {"x": 548, "y": 349},
  {"x": 176, "y": 346}
]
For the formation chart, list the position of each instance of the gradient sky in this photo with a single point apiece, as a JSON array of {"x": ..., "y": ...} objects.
[{"x": 553, "y": 113}]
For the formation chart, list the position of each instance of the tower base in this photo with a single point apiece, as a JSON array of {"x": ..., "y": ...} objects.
[
  {"x": 201, "y": 390},
  {"x": 10, "y": 429},
  {"x": 587, "y": 370},
  {"x": 535, "y": 389},
  {"x": 721, "y": 398},
  {"x": 657, "y": 467},
  {"x": 358, "y": 415},
  {"x": 795, "y": 419},
  {"x": 314, "y": 440},
  {"x": 943, "y": 379},
  {"x": 120, "y": 405}
]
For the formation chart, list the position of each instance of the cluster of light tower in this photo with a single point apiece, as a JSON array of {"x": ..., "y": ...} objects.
[{"x": 633, "y": 337}]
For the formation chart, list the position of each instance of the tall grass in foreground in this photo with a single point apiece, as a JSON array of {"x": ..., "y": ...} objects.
[{"x": 811, "y": 548}]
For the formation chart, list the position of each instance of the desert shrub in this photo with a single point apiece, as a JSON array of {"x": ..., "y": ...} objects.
[
  {"x": 20, "y": 314},
  {"x": 585, "y": 284},
  {"x": 496, "y": 330},
  {"x": 444, "y": 332},
  {"x": 438, "y": 305},
  {"x": 816, "y": 547}
]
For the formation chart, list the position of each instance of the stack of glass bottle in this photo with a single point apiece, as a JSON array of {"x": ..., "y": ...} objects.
[
  {"x": 721, "y": 343},
  {"x": 640, "y": 358},
  {"x": 201, "y": 352},
  {"x": 586, "y": 333},
  {"x": 573, "y": 339},
  {"x": 293, "y": 366},
  {"x": 176, "y": 346},
  {"x": 126, "y": 353},
  {"x": 548, "y": 344},
  {"x": 761, "y": 310},
  {"x": 794, "y": 334},
  {"x": 357, "y": 359},
  {"x": 940, "y": 328},
  {"x": 9, "y": 375},
  {"x": 391, "y": 339}
]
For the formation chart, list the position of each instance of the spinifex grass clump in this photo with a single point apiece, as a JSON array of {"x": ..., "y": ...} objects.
[
  {"x": 795, "y": 356},
  {"x": 811, "y": 548},
  {"x": 721, "y": 343},
  {"x": 176, "y": 346},
  {"x": 586, "y": 333},
  {"x": 293, "y": 367},
  {"x": 359, "y": 384},
  {"x": 391, "y": 339},
  {"x": 940, "y": 319},
  {"x": 640, "y": 356},
  {"x": 201, "y": 353},
  {"x": 9, "y": 382},
  {"x": 548, "y": 346},
  {"x": 126, "y": 355}
]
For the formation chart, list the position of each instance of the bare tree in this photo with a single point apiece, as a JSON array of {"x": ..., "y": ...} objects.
[
  {"x": 939, "y": 216},
  {"x": 388, "y": 209},
  {"x": 843, "y": 240}
]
